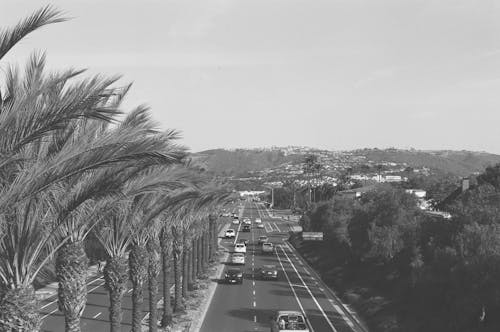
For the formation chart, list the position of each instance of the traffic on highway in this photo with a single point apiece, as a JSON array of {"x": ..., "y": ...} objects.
[{"x": 266, "y": 286}]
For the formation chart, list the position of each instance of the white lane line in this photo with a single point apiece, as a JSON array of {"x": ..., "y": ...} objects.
[
  {"x": 254, "y": 292},
  {"x": 342, "y": 313},
  {"x": 237, "y": 233},
  {"x": 93, "y": 289},
  {"x": 309, "y": 291},
  {"x": 294, "y": 293},
  {"x": 277, "y": 228},
  {"x": 49, "y": 304},
  {"x": 253, "y": 282},
  {"x": 130, "y": 290},
  {"x": 255, "y": 319},
  {"x": 50, "y": 313},
  {"x": 97, "y": 315},
  {"x": 254, "y": 304}
]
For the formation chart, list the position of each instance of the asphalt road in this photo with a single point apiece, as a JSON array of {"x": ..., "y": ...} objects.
[{"x": 248, "y": 307}]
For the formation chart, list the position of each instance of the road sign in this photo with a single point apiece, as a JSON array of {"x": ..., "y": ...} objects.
[{"x": 312, "y": 236}]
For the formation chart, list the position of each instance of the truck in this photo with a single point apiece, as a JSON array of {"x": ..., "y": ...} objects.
[{"x": 288, "y": 321}]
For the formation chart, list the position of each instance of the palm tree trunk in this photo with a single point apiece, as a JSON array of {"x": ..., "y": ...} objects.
[
  {"x": 116, "y": 277},
  {"x": 138, "y": 263},
  {"x": 195, "y": 258},
  {"x": 153, "y": 274},
  {"x": 19, "y": 310},
  {"x": 205, "y": 252},
  {"x": 177, "y": 270},
  {"x": 166, "y": 249},
  {"x": 193, "y": 261},
  {"x": 185, "y": 276},
  {"x": 199, "y": 260},
  {"x": 72, "y": 270}
]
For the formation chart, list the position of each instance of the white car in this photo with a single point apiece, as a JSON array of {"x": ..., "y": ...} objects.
[
  {"x": 258, "y": 221},
  {"x": 267, "y": 247},
  {"x": 289, "y": 321},
  {"x": 236, "y": 222},
  {"x": 247, "y": 221},
  {"x": 240, "y": 247},
  {"x": 238, "y": 258},
  {"x": 230, "y": 233},
  {"x": 261, "y": 225}
]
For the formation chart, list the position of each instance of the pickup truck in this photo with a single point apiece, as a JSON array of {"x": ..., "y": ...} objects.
[{"x": 288, "y": 321}]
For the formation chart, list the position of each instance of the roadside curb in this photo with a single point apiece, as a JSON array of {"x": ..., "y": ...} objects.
[{"x": 211, "y": 289}]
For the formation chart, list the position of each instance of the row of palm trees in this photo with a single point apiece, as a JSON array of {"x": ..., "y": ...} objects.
[{"x": 72, "y": 164}]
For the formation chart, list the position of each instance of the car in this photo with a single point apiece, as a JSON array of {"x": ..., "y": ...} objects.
[
  {"x": 263, "y": 239},
  {"x": 244, "y": 241},
  {"x": 258, "y": 221},
  {"x": 234, "y": 276},
  {"x": 267, "y": 247},
  {"x": 247, "y": 221},
  {"x": 269, "y": 272},
  {"x": 246, "y": 228},
  {"x": 284, "y": 321},
  {"x": 260, "y": 225},
  {"x": 238, "y": 258},
  {"x": 230, "y": 234},
  {"x": 240, "y": 247},
  {"x": 236, "y": 222},
  {"x": 226, "y": 214}
]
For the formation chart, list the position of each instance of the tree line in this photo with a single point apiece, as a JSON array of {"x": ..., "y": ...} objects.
[
  {"x": 435, "y": 274},
  {"x": 73, "y": 167}
]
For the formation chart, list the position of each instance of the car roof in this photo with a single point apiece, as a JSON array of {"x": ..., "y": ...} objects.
[
  {"x": 267, "y": 243},
  {"x": 239, "y": 244},
  {"x": 238, "y": 254},
  {"x": 235, "y": 269},
  {"x": 263, "y": 236},
  {"x": 289, "y": 312},
  {"x": 269, "y": 267}
]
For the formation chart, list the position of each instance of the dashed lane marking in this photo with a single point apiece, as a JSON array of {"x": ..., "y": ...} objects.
[
  {"x": 254, "y": 304},
  {"x": 97, "y": 315},
  {"x": 255, "y": 319}
]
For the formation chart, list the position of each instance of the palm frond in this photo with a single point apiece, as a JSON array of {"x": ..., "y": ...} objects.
[{"x": 44, "y": 16}]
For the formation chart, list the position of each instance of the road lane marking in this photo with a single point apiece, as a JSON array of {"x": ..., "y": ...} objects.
[
  {"x": 97, "y": 315},
  {"x": 254, "y": 292},
  {"x": 309, "y": 291},
  {"x": 255, "y": 319},
  {"x": 276, "y": 226},
  {"x": 294, "y": 293},
  {"x": 254, "y": 304},
  {"x": 253, "y": 282},
  {"x": 50, "y": 313},
  {"x": 49, "y": 304},
  {"x": 342, "y": 313}
]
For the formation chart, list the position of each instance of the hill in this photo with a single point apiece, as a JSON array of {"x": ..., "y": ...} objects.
[
  {"x": 242, "y": 161},
  {"x": 461, "y": 163}
]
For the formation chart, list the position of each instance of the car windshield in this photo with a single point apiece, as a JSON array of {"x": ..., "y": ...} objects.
[
  {"x": 238, "y": 255},
  {"x": 267, "y": 244},
  {"x": 263, "y": 237},
  {"x": 269, "y": 267}
]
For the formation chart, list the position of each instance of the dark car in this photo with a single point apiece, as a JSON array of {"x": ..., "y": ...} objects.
[
  {"x": 246, "y": 228},
  {"x": 269, "y": 272},
  {"x": 234, "y": 276}
]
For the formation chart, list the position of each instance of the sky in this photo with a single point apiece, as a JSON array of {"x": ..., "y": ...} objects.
[{"x": 336, "y": 74}]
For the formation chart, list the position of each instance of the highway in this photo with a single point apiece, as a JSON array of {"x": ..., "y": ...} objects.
[{"x": 248, "y": 307}]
